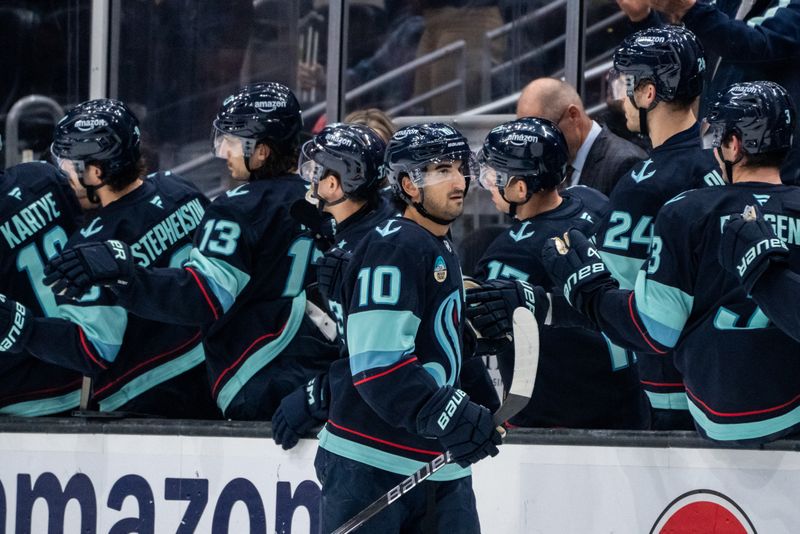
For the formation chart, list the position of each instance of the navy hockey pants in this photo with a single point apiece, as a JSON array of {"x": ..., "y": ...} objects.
[{"x": 434, "y": 507}]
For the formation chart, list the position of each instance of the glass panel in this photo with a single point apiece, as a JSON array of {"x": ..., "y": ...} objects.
[
  {"x": 44, "y": 50},
  {"x": 178, "y": 59}
]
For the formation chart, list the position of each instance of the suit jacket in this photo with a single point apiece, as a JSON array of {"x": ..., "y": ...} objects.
[{"x": 608, "y": 159}]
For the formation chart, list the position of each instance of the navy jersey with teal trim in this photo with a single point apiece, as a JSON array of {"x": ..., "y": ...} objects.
[
  {"x": 404, "y": 296},
  {"x": 624, "y": 236},
  {"x": 350, "y": 231},
  {"x": 135, "y": 362},
  {"x": 740, "y": 370},
  {"x": 583, "y": 381},
  {"x": 244, "y": 282},
  {"x": 38, "y": 212}
]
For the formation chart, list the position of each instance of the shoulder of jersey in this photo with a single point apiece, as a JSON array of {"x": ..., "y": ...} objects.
[
  {"x": 172, "y": 187},
  {"x": 36, "y": 175}
]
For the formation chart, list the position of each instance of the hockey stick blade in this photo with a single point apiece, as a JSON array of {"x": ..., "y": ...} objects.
[{"x": 526, "y": 363}]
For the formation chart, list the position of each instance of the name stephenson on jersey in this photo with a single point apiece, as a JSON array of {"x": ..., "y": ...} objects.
[{"x": 403, "y": 297}]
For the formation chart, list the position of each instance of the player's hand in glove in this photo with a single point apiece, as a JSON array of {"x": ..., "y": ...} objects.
[
  {"x": 329, "y": 270},
  {"x": 15, "y": 325},
  {"x": 490, "y": 307},
  {"x": 575, "y": 265},
  {"x": 299, "y": 412},
  {"x": 464, "y": 429},
  {"x": 77, "y": 269},
  {"x": 749, "y": 246}
]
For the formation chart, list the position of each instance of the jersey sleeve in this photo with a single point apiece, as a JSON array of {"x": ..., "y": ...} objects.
[
  {"x": 652, "y": 316},
  {"x": 772, "y": 291},
  {"x": 773, "y": 36},
  {"x": 384, "y": 315},
  {"x": 200, "y": 292}
]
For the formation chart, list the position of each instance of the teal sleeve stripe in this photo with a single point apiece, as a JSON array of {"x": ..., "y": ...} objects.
[
  {"x": 664, "y": 309},
  {"x": 103, "y": 325},
  {"x": 668, "y": 401},
  {"x": 372, "y": 360},
  {"x": 145, "y": 382},
  {"x": 386, "y": 460},
  {"x": 381, "y": 331},
  {"x": 436, "y": 370},
  {"x": 51, "y": 406},
  {"x": 225, "y": 280},
  {"x": 263, "y": 356},
  {"x": 742, "y": 431},
  {"x": 757, "y": 21},
  {"x": 622, "y": 268}
]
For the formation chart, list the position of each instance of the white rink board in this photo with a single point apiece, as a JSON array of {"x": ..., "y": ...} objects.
[{"x": 527, "y": 489}]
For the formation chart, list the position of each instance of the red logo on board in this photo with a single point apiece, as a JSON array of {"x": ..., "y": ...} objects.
[{"x": 703, "y": 511}]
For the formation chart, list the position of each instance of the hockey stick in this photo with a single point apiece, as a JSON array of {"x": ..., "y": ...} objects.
[{"x": 526, "y": 363}]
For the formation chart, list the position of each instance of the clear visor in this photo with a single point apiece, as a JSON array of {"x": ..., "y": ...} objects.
[
  {"x": 712, "y": 138},
  {"x": 228, "y": 145},
  {"x": 446, "y": 170},
  {"x": 490, "y": 177},
  {"x": 73, "y": 168},
  {"x": 309, "y": 170},
  {"x": 625, "y": 84}
]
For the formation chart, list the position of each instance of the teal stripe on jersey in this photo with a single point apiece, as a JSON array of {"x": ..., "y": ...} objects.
[
  {"x": 37, "y": 408},
  {"x": 668, "y": 401},
  {"x": 388, "y": 333},
  {"x": 385, "y": 460},
  {"x": 742, "y": 431},
  {"x": 664, "y": 309},
  {"x": 263, "y": 356},
  {"x": 145, "y": 382},
  {"x": 225, "y": 280},
  {"x": 622, "y": 268},
  {"x": 103, "y": 325}
]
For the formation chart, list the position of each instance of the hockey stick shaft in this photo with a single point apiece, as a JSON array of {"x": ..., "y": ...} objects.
[{"x": 526, "y": 347}]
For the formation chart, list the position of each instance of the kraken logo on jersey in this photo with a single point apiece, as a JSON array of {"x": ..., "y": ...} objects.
[
  {"x": 440, "y": 270},
  {"x": 16, "y": 193},
  {"x": 641, "y": 176},
  {"x": 521, "y": 234}
]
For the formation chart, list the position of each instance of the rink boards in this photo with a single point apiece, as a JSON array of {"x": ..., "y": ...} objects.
[{"x": 143, "y": 476}]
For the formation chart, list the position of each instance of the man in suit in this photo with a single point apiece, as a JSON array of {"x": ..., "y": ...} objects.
[{"x": 598, "y": 158}]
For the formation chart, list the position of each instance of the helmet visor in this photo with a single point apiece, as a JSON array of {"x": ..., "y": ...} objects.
[
  {"x": 713, "y": 136},
  {"x": 454, "y": 167},
  {"x": 72, "y": 167},
  {"x": 228, "y": 145},
  {"x": 310, "y": 170}
]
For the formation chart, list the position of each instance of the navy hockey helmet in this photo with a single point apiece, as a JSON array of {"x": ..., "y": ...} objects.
[
  {"x": 257, "y": 113},
  {"x": 530, "y": 149},
  {"x": 353, "y": 152},
  {"x": 102, "y": 131},
  {"x": 412, "y": 149},
  {"x": 762, "y": 114},
  {"x": 671, "y": 57}
]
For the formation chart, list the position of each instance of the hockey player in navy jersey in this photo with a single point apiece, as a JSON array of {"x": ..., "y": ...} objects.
[
  {"x": 583, "y": 380},
  {"x": 343, "y": 164},
  {"x": 39, "y": 211},
  {"x": 664, "y": 70},
  {"x": 403, "y": 298},
  {"x": 138, "y": 366},
  {"x": 740, "y": 370},
  {"x": 247, "y": 269}
]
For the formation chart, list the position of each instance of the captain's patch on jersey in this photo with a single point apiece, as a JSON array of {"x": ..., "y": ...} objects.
[{"x": 440, "y": 270}]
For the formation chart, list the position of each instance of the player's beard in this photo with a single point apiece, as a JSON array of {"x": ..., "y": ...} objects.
[{"x": 445, "y": 208}]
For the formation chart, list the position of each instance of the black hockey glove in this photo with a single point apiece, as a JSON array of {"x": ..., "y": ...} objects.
[
  {"x": 77, "y": 269},
  {"x": 15, "y": 325},
  {"x": 575, "y": 265},
  {"x": 490, "y": 307},
  {"x": 329, "y": 270},
  {"x": 321, "y": 225},
  {"x": 299, "y": 412},
  {"x": 464, "y": 428},
  {"x": 749, "y": 246}
]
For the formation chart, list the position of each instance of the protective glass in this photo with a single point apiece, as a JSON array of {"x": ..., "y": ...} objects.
[
  {"x": 228, "y": 145},
  {"x": 309, "y": 170},
  {"x": 441, "y": 170}
]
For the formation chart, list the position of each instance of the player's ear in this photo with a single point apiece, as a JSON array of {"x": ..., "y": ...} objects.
[
  {"x": 261, "y": 152},
  {"x": 409, "y": 187},
  {"x": 92, "y": 173}
]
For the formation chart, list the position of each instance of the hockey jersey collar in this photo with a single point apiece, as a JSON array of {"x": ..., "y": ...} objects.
[{"x": 689, "y": 138}]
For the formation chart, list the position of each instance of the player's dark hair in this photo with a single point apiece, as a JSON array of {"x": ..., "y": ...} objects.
[
  {"x": 123, "y": 178},
  {"x": 281, "y": 161}
]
